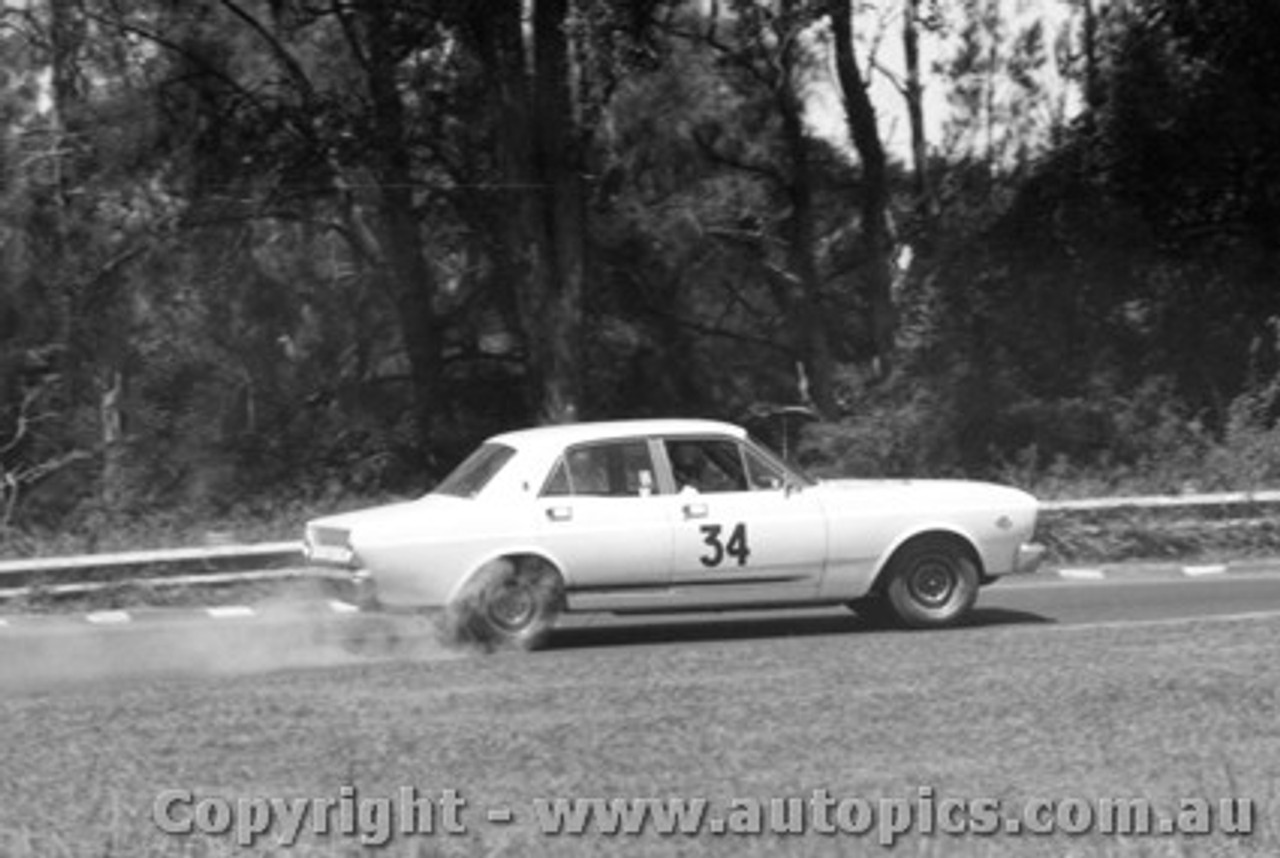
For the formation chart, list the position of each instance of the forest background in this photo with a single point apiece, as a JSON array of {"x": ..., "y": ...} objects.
[{"x": 263, "y": 257}]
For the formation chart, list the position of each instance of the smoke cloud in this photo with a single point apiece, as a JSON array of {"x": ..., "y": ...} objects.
[{"x": 49, "y": 651}]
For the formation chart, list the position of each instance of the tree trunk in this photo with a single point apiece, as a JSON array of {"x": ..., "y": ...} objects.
[
  {"x": 1093, "y": 95},
  {"x": 498, "y": 27},
  {"x": 809, "y": 315},
  {"x": 540, "y": 214},
  {"x": 410, "y": 278},
  {"x": 554, "y": 299},
  {"x": 113, "y": 449},
  {"x": 876, "y": 236},
  {"x": 926, "y": 202}
]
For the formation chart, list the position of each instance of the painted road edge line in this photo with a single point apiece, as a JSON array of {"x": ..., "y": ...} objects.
[
  {"x": 123, "y": 617},
  {"x": 104, "y": 618},
  {"x": 1198, "y": 571},
  {"x": 225, "y": 612},
  {"x": 1138, "y": 570},
  {"x": 1082, "y": 574}
]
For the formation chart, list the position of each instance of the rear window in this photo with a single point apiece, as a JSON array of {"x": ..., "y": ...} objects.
[{"x": 475, "y": 472}]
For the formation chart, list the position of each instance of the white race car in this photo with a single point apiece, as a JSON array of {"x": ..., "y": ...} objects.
[{"x": 652, "y": 516}]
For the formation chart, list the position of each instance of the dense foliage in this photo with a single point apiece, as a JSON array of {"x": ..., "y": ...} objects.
[{"x": 311, "y": 248}]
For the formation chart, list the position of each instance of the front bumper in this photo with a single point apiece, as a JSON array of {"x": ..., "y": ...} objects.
[
  {"x": 1029, "y": 557},
  {"x": 353, "y": 586},
  {"x": 361, "y": 590}
]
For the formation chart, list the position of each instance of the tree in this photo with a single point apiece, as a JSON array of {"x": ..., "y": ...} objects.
[
  {"x": 1130, "y": 257},
  {"x": 876, "y": 233},
  {"x": 926, "y": 203},
  {"x": 78, "y": 211},
  {"x": 544, "y": 160}
]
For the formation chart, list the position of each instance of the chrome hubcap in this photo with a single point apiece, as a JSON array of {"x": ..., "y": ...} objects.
[
  {"x": 512, "y": 607},
  {"x": 932, "y": 583}
]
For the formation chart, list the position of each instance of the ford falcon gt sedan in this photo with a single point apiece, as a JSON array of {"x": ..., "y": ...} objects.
[{"x": 653, "y": 516}]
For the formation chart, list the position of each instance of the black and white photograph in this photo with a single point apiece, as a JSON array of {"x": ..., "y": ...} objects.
[{"x": 504, "y": 428}]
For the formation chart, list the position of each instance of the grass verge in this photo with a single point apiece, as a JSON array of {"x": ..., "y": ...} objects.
[{"x": 1017, "y": 712}]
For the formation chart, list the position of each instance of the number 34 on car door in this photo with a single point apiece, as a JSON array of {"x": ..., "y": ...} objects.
[
  {"x": 739, "y": 523},
  {"x": 735, "y": 547}
]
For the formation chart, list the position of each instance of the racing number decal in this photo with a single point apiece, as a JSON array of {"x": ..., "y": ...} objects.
[{"x": 736, "y": 547}]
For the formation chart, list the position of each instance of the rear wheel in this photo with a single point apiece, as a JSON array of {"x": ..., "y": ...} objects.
[
  {"x": 932, "y": 583},
  {"x": 509, "y": 604}
]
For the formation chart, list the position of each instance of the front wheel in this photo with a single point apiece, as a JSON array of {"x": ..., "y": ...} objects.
[
  {"x": 932, "y": 583},
  {"x": 510, "y": 604}
]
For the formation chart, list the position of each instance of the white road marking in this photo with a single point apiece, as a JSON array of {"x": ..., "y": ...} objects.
[
  {"x": 339, "y": 607},
  {"x": 1197, "y": 571},
  {"x": 228, "y": 611},
  {"x": 1173, "y": 576},
  {"x": 1082, "y": 574},
  {"x": 108, "y": 617}
]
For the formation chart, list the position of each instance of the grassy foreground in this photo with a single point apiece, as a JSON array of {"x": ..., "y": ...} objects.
[{"x": 1159, "y": 712}]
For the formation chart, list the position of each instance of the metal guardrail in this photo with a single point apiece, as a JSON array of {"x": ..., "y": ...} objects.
[
  {"x": 1162, "y": 502},
  {"x": 244, "y": 576},
  {"x": 212, "y": 555},
  {"x": 172, "y": 567},
  {"x": 224, "y": 564}
]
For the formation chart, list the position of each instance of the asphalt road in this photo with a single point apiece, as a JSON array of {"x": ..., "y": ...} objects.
[
  {"x": 1134, "y": 600},
  {"x": 72, "y": 649},
  {"x": 1036, "y": 600}
]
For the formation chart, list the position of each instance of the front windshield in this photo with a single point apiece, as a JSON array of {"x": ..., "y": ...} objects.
[
  {"x": 794, "y": 475},
  {"x": 469, "y": 479}
]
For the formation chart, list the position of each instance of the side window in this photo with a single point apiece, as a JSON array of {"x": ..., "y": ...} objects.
[
  {"x": 763, "y": 474},
  {"x": 707, "y": 465},
  {"x": 558, "y": 483},
  {"x": 616, "y": 469}
]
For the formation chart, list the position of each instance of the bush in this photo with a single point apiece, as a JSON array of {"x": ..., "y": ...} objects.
[
  {"x": 1248, "y": 456},
  {"x": 1108, "y": 442},
  {"x": 894, "y": 433}
]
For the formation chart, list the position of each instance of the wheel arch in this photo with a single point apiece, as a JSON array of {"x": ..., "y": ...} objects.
[
  {"x": 942, "y": 533},
  {"x": 517, "y": 556}
]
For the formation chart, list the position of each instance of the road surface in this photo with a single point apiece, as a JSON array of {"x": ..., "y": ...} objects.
[{"x": 111, "y": 645}]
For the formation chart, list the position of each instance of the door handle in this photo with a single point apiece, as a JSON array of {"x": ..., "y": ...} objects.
[
  {"x": 560, "y": 513},
  {"x": 695, "y": 510}
]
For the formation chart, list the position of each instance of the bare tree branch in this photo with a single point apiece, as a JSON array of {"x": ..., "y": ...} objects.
[
  {"x": 204, "y": 65},
  {"x": 343, "y": 13},
  {"x": 278, "y": 50},
  {"x": 22, "y": 422},
  {"x": 716, "y": 156}
]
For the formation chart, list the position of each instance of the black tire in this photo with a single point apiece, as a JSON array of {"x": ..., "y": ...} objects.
[
  {"x": 509, "y": 604},
  {"x": 932, "y": 583}
]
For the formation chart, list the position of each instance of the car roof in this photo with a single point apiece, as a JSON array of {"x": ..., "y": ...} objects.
[{"x": 565, "y": 434}]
